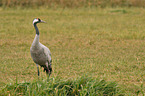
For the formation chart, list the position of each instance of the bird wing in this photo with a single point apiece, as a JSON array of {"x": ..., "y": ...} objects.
[
  {"x": 47, "y": 53},
  {"x": 49, "y": 60}
]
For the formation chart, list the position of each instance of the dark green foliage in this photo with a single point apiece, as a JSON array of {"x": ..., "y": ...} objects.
[{"x": 84, "y": 86}]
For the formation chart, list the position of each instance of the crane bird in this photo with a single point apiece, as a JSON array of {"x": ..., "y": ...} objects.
[{"x": 40, "y": 54}]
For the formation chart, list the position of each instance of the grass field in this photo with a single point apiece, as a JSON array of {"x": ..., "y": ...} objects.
[
  {"x": 72, "y": 3},
  {"x": 108, "y": 44}
]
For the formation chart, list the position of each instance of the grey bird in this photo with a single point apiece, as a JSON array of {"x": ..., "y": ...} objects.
[{"x": 40, "y": 54}]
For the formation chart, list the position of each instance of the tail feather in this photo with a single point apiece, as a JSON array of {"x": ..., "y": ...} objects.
[{"x": 47, "y": 70}]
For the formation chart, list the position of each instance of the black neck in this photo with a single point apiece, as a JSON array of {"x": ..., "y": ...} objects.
[{"x": 36, "y": 28}]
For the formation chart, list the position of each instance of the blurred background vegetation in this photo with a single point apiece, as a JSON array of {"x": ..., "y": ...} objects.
[{"x": 72, "y": 3}]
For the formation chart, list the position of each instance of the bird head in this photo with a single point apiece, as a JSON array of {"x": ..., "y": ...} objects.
[{"x": 37, "y": 20}]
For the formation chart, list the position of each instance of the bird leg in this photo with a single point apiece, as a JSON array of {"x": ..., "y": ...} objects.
[{"x": 37, "y": 69}]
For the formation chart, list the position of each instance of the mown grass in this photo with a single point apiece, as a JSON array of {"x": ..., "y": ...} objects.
[{"x": 107, "y": 44}]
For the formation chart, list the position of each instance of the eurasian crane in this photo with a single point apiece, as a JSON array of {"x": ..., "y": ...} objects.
[{"x": 40, "y": 54}]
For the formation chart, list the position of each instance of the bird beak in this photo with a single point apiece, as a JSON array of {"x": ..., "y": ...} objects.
[{"x": 43, "y": 21}]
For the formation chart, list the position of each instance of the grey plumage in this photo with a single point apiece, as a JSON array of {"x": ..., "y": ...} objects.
[{"x": 40, "y": 54}]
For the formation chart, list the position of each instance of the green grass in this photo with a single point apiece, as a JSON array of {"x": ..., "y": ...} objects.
[
  {"x": 107, "y": 44},
  {"x": 83, "y": 86}
]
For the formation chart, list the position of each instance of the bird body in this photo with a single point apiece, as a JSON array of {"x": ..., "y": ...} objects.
[{"x": 40, "y": 54}]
